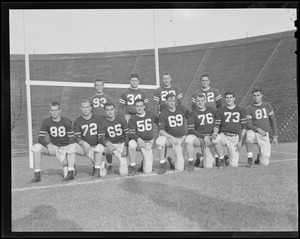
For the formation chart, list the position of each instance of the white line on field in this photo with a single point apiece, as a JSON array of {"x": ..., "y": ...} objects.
[
  {"x": 283, "y": 152},
  {"x": 82, "y": 182}
]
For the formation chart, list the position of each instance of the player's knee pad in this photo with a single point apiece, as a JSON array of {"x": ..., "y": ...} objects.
[
  {"x": 250, "y": 137},
  {"x": 189, "y": 139},
  {"x": 132, "y": 144},
  {"x": 37, "y": 147},
  {"x": 160, "y": 142}
]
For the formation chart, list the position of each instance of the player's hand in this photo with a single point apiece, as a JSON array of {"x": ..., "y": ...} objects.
[
  {"x": 110, "y": 147},
  {"x": 51, "y": 149},
  {"x": 207, "y": 140},
  {"x": 261, "y": 132},
  {"x": 214, "y": 135},
  {"x": 275, "y": 141},
  {"x": 124, "y": 152},
  {"x": 239, "y": 146},
  {"x": 141, "y": 143}
]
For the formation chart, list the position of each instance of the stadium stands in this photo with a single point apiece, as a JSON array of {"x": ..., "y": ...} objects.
[{"x": 239, "y": 65}]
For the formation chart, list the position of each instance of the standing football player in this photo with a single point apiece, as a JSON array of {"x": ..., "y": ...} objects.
[
  {"x": 259, "y": 115},
  {"x": 213, "y": 96},
  {"x": 114, "y": 136},
  {"x": 61, "y": 145},
  {"x": 98, "y": 100},
  {"x": 231, "y": 125},
  {"x": 171, "y": 126},
  {"x": 128, "y": 96},
  {"x": 200, "y": 128},
  {"x": 86, "y": 133},
  {"x": 141, "y": 137}
]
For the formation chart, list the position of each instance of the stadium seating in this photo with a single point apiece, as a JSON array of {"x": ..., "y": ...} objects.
[{"x": 239, "y": 65}]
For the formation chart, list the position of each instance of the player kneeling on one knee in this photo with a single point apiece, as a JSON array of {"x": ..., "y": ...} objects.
[
  {"x": 260, "y": 114},
  {"x": 141, "y": 137},
  {"x": 61, "y": 145}
]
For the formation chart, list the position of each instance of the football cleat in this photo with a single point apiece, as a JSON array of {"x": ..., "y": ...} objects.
[
  {"x": 140, "y": 169},
  {"x": 190, "y": 166},
  {"x": 222, "y": 163},
  {"x": 96, "y": 173},
  {"x": 226, "y": 158},
  {"x": 69, "y": 177},
  {"x": 162, "y": 169},
  {"x": 256, "y": 161},
  {"x": 109, "y": 169},
  {"x": 217, "y": 161},
  {"x": 36, "y": 178},
  {"x": 250, "y": 161},
  {"x": 172, "y": 166},
  {"x": 93, "y": 172}
]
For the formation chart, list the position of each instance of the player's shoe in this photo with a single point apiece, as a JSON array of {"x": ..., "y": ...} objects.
[
  {"x": 226, "y": 158},
  {"x": 93, "y": 172},
  {"x": 75, "y": 171},
  {"x": 109, "y": 169},
  {"x": 217, "y": 162},
  {"x": 96, "y": 173},
  {"x": 222, "y": 163},
  {"x": 256, "y": 161},
  {"x": 172, "y": 166},
  {"x": 190, "y": 166},
  {"x": 250, "y": 161},
  {"x": 69, "y": 177},
  {"x": 36, "y": 178},
  {"x": 130, "y": 171},
  {"x": 140, "y": 169},
  {"x": 198, "y": 162},
  {"x": 162, "y": 169}
]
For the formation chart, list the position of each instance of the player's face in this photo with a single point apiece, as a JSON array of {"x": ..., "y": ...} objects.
[
  {"x": 134, "y": 82},
  {"x": 257, "y": 97},
  {"x": 229, "y": 100},
  {"x": 166, "y": 80},
  {"x": 86, "y": 108},
  {"x": 55, "y": 111},
  {"x": 99, "y": 85},
  {"x": 110, "y": 111},
  {"x": 171, "y": 101},
  {"x": 200, "y": 101},
  {"x": 205, "y": 82},
  {"x": 140, "y": 108}
]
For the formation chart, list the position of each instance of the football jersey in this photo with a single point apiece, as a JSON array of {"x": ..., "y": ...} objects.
[
  {"x": 60, "y": 133},
  {"x": 259, "y": 114},
  {"x": 128, "y": 97},
  {"x": 173, "y": 122},
  {"x": 98, "y": 101},
  {"x": 231, "y": 120},
  {"x": 212, "y": 95},
  {"x": 87, "y": 129},
  {"x": 202, "y": 121},
  {"x": 142, "y": 126},
  {"x": 115, "y": 131},
  {"x": 161, "y": 93}
]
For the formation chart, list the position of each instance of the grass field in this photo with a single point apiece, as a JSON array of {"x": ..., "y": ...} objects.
[{"x": 260, "y": 198}]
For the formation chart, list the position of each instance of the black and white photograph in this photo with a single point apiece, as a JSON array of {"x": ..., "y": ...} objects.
[{"x": 172, "y": 118}]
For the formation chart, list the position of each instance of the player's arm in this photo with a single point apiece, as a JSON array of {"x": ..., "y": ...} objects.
[
  {"x": 122, "y": 102},
  {"x": 162, "y": 132},
  {"x": 156, "y": 102},
  {"x": 70, "y": 131},
  {"x": 218, "y": 99},
  {"x": 132, "y": 130},
  {"x": 146, "y": 101},
  {"x": 179, "y": 96},
  {"x": 243, "y": 113},
  {"x": 42, "y": 134},
  {"x": 191, "y": 128},
  {"x": 216, "y": 128},
  {"x": 273, "y": 122},
  {"x": 194, "y": 102}
]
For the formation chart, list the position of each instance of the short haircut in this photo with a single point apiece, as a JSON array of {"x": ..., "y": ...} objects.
[
  {"x": 169, "y": 95},
  {"x": 84, "y": 100},
  {"x": 109, "y": 104},
  {"x": 229, "y": 93},
  {"x": 139, "y": 100},
  {"x": 201, "y": 95},
  {"x": 134, "y": 76},
  {"x": 99, "y": 80},
  {"x": 204, "y": 76},
  {"x": 166, "y": 73},
  {"x": 54, "y": 103},
  {"x": 257, "y": 90}
]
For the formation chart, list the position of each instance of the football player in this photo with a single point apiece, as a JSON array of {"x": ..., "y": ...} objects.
[
  {"x": 114, "y": 137},
  {"x": 171, "y": 126},
  {"x": 141, "y": 137},
  {"x": 213, "y": 96},
  {"x": 231, "y": 125},
  {"x": 128, "y": 96},
  {"x": 86, "y": 133},
  {"x": 200, "y": 128},
  {"x": 61, "y": 145},
  {"x": 259, "y": 115}
]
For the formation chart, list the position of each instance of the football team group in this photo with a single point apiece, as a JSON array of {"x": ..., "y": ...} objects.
[{"x": 102, "y": 135}]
